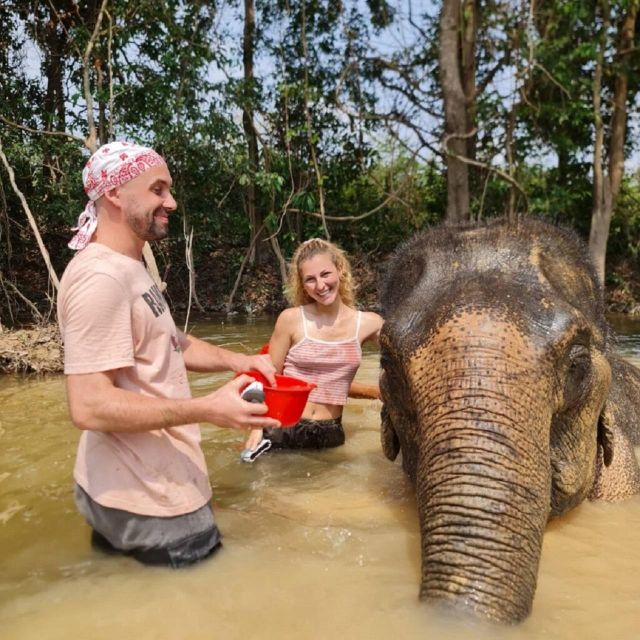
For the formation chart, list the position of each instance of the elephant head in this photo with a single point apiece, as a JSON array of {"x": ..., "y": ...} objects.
[{"x": 500, "y": 392}]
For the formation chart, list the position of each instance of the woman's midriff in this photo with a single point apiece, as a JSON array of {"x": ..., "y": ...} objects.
[{"x": 314, "y": 411}]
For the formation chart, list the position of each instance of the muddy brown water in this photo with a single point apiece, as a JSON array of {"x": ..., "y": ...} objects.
[{"x": 316, "y": 545}]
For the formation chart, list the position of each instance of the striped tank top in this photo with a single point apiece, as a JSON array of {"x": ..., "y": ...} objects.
[{"x": 331, "y": 365}]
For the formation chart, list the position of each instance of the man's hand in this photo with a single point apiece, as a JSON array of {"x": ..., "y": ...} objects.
[
  {"x": 225, "y": 408},
  {"x": 261, "y": 363}
]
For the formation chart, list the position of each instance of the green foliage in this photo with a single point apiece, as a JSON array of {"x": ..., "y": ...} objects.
[
  {"x": 359, "y": 126},
  {"x": 624, "y": 236}
]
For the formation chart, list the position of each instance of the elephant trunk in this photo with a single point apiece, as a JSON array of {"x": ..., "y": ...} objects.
[{"x": 483, "y": 481}]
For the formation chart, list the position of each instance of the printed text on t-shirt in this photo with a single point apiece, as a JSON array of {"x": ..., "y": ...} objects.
[{"x": 155, "y": 300}]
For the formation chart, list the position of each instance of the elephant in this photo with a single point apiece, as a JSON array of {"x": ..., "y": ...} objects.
[{"x": 500, "y": 389}]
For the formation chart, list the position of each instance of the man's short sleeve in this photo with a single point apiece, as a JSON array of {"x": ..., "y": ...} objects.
[{"x": 96, "y": 325}]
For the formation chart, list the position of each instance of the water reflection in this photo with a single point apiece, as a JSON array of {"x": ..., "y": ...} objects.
[
  {"x": 626, "y": 335},
  {"x": 316, "y": 545}
]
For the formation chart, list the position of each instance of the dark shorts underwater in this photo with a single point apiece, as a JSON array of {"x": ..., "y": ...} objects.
[
  {"x": 307, "y": 434},
  {"x": 175, "y": 542}
]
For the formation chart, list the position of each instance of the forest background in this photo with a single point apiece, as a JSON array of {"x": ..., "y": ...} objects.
[{"x": 360, "y": 121}]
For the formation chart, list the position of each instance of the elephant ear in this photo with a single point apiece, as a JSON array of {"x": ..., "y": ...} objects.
[
  {"x": 617, "y": 470},
  {"x": 390, "y": 442}
]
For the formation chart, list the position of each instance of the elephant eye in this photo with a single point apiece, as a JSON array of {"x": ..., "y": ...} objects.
[
  {"x": 579, "y": 357},
  {"x": 578, "y": 373}
]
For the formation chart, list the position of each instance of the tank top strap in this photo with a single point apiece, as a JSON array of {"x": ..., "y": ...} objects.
[
  {"x": 304, "y": 322},
  {"x": 358, "y": 324}
]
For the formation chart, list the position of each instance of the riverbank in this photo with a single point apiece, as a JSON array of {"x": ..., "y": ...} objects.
[{"x": 37, "y": 350}]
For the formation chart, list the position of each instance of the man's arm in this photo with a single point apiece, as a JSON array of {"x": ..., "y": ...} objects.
[
  {"x": 202, "y": 356},
  {"x": 96, "y": 404}
]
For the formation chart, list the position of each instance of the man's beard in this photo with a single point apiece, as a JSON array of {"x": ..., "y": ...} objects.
[{"x": 148, "y": 230}]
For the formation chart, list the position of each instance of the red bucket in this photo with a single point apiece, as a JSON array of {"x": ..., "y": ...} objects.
[{"x": 287, "y": 399}]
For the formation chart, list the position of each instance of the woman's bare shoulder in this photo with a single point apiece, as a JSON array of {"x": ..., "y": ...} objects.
[
  {"x": 372, "y": 318},
  {"x": 289, "y": 317},
  {"x": 371, "y": 324}
]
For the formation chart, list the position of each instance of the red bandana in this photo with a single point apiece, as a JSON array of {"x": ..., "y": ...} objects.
[{"x": 110, "y": 166}]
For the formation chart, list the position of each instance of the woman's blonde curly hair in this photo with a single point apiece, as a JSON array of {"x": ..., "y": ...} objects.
[{"x": 310, "y": 248}]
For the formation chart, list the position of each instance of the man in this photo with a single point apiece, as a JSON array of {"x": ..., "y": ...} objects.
[{"x": 141, "y": 479}]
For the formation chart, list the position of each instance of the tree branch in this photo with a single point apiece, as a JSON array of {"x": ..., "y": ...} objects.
[
  {"x": 60, "y": 134},
  {"x": 482, "y": 165},
  {"x": 32, "y": 221}
]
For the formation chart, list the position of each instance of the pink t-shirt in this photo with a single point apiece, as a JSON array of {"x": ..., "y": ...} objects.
[{"x": 113, "y": 317}]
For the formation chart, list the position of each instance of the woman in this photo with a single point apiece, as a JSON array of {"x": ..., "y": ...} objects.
[{"x": 319, "y": 340}]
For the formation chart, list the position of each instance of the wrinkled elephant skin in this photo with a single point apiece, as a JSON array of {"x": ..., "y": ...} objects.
[{"x": 500, "y": 390}]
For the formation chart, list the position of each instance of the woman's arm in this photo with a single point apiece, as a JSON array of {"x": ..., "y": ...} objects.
[{"x": 362, "y": 391}]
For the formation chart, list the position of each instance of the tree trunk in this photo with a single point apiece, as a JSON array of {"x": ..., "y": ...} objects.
[
  {"x": 607, "y": 186},
  {"x": 511, "y": 203},
  {"x": 260, "y": 252},
  {"x": 468, "y": 70},
  {"x": 599, "y": 212},
  {"x": 53, "y": 114},
  {"x": 308, "y": 120},
  {"x": 54, "y": 98},
  {"x": 455, "y": 113},
  {"x": 102, "y": 107}
]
